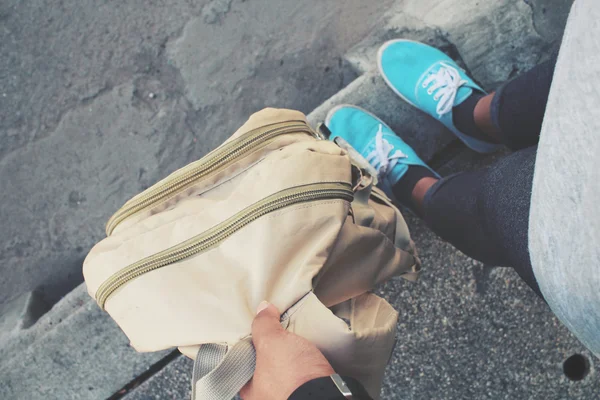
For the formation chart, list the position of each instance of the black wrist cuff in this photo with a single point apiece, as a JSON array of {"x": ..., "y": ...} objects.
[{"x": 325, "y": 389}]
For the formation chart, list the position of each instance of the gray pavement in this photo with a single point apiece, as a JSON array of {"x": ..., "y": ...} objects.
[
  {"x": 100, "y": 99},
  {"x": 103, "y": 99}
]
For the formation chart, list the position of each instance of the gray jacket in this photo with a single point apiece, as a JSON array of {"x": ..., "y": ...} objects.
[{"x": 564, "y": 233}]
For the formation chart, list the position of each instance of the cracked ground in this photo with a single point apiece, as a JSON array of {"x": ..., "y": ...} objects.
[{"x": 99, "y": 99}]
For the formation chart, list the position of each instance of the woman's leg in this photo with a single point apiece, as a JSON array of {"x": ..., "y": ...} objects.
[
  {"x": 513, "y": 114},
  {"x": 485, "y": 213}
]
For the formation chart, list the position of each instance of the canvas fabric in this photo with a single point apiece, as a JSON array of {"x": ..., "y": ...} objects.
[{"x": 316, "y": 261}]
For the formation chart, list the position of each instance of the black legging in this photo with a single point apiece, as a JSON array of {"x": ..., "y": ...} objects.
[{"x": 485, "y": 213}]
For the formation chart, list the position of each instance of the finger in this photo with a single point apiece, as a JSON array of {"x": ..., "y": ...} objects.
[
  {"x": 246, "y": 391},
  {"x": 266, "y": 324}
]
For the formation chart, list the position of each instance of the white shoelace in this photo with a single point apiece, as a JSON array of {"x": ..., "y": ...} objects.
[
  {"x": 446, "y": 81},
  {"x": 380, "y": 158}
]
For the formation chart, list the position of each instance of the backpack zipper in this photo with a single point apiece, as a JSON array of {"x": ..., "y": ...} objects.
[
  {"x": 212, "y": 237},
  {"x": 220, "y": 158}
]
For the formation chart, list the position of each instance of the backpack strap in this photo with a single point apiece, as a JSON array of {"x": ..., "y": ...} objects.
[{"x": 220, "y": 373}]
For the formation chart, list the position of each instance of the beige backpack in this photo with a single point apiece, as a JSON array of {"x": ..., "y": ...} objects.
[{"x": 275, "y": 213}]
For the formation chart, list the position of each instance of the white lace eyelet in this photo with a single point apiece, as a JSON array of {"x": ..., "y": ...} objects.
[
  {"x": 424, "y": 85},
  {"x": 430, "y": 92},
  {"x": 436, "y": 97}
]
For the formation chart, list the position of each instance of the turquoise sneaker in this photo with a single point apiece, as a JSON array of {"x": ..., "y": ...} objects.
[
  {"x": 376, "y": 142},
  {"x": 428, "y": 79}
]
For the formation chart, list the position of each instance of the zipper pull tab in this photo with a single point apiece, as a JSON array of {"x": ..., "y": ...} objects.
[{"x": 322, "y": 132}]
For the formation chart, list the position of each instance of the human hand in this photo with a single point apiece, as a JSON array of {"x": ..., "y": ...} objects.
[{"x": 284, "y": 361}]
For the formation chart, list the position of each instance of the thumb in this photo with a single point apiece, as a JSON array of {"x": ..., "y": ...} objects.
[{"x": 266, "y": 325}]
